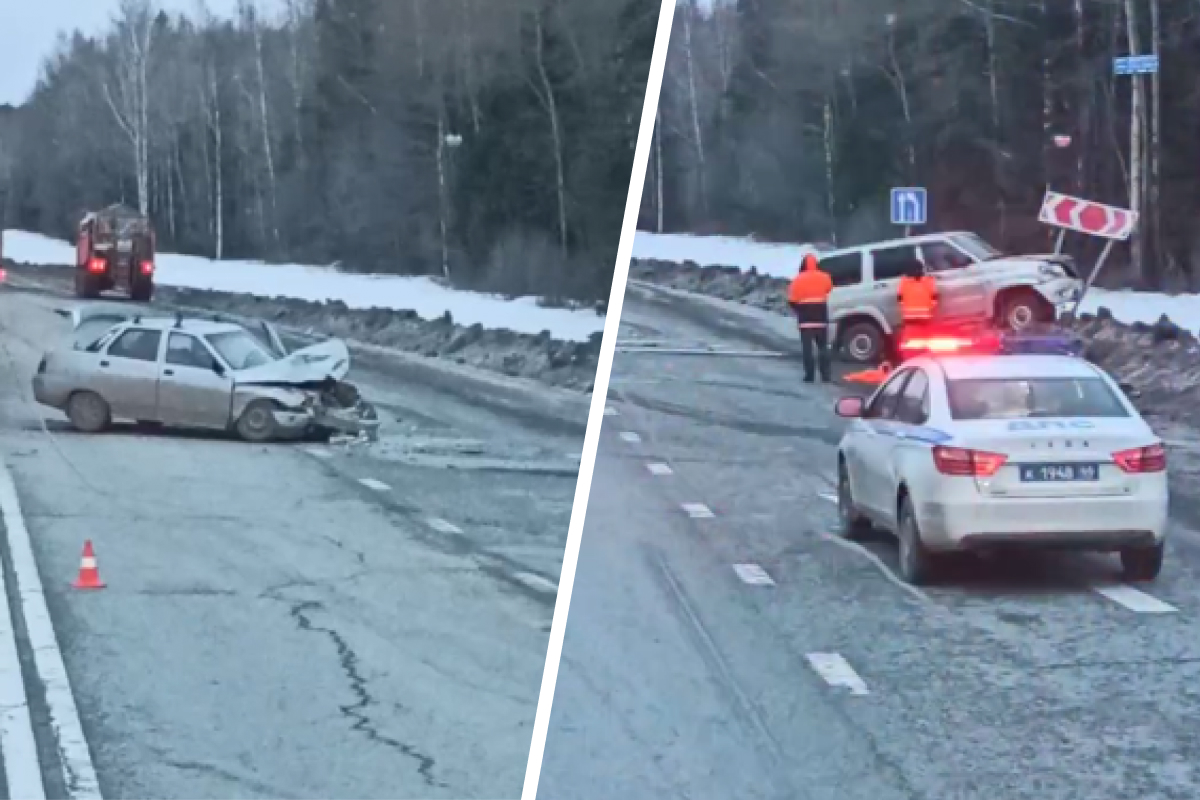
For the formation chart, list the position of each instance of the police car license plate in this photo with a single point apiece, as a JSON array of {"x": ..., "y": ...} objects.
[{"x": 1059, "y": 473}]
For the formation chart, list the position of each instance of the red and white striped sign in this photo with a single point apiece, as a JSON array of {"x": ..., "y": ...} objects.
[{"x": 1086, "y": 216}]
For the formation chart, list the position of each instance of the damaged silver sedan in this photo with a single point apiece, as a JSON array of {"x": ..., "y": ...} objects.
[{"x": 185, "y": 372}]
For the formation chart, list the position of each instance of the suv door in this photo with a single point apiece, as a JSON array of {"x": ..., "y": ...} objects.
[
  {"x": 872, "y": 490},
  {"x": 962, "y": 283},
  {"x": 888, "y": 264},
  {"x": 191, "y": 393},
  {"x": 127, "y": 374}
]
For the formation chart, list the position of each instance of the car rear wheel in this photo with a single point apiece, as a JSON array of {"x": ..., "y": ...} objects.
[
  {"x": 1143, "y": 563},
  {"x": 257, "y": 423},
  {"x": 88, "y": 412},
  {"x": 917, "y": 564},
  {"x": 863, "y": 342},
  {"x": 852, "y": 524}
]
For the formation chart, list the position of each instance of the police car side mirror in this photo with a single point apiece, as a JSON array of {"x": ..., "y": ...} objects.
[{"x": 849, "y": 407}]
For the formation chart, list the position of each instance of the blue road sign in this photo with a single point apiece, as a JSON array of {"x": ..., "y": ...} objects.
[
  {"x": 909, "y": 206},
  {"x": 1135, "y": 65}
]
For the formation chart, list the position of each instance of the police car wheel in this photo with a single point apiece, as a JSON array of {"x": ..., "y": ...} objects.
[
  {"x": 917, "y": 564},
  {"x": 851, "y": 524},
  {"x": 1142, "y": 563}
]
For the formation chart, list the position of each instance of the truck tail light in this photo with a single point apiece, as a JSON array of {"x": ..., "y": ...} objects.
[
  {"x": 1142, "y": 460},
  {"x": 961, "y": 462},
  {"x": 147, "y": 267},
  {"x": 96, "y": 265}
]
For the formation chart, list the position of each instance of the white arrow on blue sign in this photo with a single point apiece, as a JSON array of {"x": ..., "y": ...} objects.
[
  {"x": 1135, "y": 65},
  {"x": 910, "y": 206}
]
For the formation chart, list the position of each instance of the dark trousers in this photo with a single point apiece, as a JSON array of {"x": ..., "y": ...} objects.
[{"x": 815, "y": 339}]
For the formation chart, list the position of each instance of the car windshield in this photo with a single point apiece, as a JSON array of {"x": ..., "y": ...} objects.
[
  {"x": 240, "y": 350},
  {"x": 1019, "y": 398},
  {"x": 975, "y": 246}
]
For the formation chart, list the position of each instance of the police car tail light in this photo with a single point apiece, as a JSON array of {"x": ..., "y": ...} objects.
[
  {"x": 967, "y": 463},
  {"x": 1141, "y": 460}
]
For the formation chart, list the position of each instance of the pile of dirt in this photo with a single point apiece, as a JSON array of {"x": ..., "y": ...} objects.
[
  {"x": 1160, "y": 362},
  {"x": 570, "y": 365}
]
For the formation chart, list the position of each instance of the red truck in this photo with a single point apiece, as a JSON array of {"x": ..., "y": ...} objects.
[{"x": 115, "y": 250}]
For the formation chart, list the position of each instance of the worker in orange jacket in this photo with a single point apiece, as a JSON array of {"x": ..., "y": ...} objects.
[
  {"x": 918, "y": 295},
  {"x": 808, "y": 296}
]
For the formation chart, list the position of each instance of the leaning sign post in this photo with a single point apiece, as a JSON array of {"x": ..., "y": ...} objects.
[{"x": 1086, "y": 216}]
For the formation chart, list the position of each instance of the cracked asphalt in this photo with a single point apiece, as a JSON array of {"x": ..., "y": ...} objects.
[
  {"x": 718, "y": 645},
  {"x": 274, "y": 626}
]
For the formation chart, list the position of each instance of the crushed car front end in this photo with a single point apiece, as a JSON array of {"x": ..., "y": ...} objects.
[{"x": 312, "y": 410}]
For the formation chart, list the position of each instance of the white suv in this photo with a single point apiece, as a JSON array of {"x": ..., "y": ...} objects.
[{"x": 975, "y": 281}]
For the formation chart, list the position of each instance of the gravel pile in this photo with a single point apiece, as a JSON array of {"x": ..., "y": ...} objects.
[
  {"x": 1161, "y": 362},
  {"x": 542, "y": 358}
]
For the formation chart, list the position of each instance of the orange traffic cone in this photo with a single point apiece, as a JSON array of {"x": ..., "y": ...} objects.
[
  {"x": 89, "y": 573},
  {"x": 871, "y": 375}
]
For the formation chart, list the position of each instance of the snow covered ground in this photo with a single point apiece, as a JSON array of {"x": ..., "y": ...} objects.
[
  {"x": 318, "y": 284},
  {"x": 782, "y": 260}
]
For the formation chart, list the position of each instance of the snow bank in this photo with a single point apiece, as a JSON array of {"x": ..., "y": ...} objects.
[
  {"x": 321, "y": 284},
  {"x": 782, "y": 260}
]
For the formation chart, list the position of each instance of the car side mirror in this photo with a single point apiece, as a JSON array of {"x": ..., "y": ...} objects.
[{"x": 849, "y": 407}]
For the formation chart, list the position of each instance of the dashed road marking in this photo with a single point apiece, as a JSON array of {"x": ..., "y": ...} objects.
[
  {"x": 698, "y": 511},
  {"x": 830, "y": 496},
  {"x": 536, "y": 582},
  {"x": 442, "y": 526},
  {"x": 609, "y": 411},
  {"x": 378, "y": 486},
  {"x": 753, "y": 575},
  {"x": 1134, "y": 600},
  {"x": 659, "y": 469},
  {"x": 630, "y": 436},
  {"x": 318, "y": 452},
  {"x": 836, "y": 671}
]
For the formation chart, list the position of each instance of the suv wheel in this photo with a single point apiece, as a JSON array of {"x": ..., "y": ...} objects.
[
  {"x": 863, "y": 342},
  {"x": 1021, "y": 309}
]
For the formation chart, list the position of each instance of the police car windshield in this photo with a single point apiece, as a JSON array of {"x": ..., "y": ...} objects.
[{"x": 1024, "y": 398}]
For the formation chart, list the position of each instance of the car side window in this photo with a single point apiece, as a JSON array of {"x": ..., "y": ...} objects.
[
  {"x": 941, "y": 257},
  {"x": 913, "y": 407},
  {"x": 137, "y": 344},
  {"x": 883, "y": 405},
  {"x": 844, "y": 270},
  {"x": 187, "y": 351},
  {"x": 892, "y": 262}
]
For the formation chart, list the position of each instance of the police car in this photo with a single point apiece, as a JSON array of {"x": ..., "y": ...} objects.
[{"x": 973, "y": 453}]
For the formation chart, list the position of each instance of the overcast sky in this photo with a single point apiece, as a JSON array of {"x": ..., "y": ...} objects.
[{"x": 30, "y": 28}]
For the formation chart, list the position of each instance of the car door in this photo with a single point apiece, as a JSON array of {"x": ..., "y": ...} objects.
[
  {"x": 908, "y": 418},
  {"x": 875, "y": 446},
  {"x": 962, "y": 284},
  {"x": 127, "y": 374},
  {"x": 194, "y": 389},
  {"x": 888, "y": 264}
]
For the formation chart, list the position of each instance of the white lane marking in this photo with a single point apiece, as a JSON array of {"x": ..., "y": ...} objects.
[
  {"x": 855, "y": 547},
  {"x": 318, "y": 452},
  {"x": 698, "y": 511},
  {"x": 659, "y": 469},
  {"x": 630, "y": 436},
  {"x": 536, "y": 582},
  {"x": 830, "y": 496},
  {"x": 378, "y": 486},
  {"x": 442, "y": 526},
  {"x": 609, "y": 411},
  {"x": 1134, "y": 600},
  {"x": 79, "y": 774},
  {"x": 836, "y": 671},
  {"x": 753, "y": 575}
]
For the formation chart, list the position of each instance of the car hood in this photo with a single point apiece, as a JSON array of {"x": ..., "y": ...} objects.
[
  {"x": 1031, "y": 263},
  {"x": 315, "y": 364}
]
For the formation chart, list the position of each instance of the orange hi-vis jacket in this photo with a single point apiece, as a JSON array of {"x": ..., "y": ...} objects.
[
  {"x": 808, "y": 294},
  {"x": 918, "y": 298}
]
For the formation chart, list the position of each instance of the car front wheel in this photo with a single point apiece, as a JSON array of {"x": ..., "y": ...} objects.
[{"x": 257, "y": 423}]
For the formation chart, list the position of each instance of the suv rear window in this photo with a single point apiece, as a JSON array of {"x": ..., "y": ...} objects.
[
  {"x": 1022, "y": 398},
  {"x": 844, "y": 270}
]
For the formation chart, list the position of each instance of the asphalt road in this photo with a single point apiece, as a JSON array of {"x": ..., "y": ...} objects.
[
  {"x": 283, "y": 621},
  {"x": 720, "y": 645}
]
